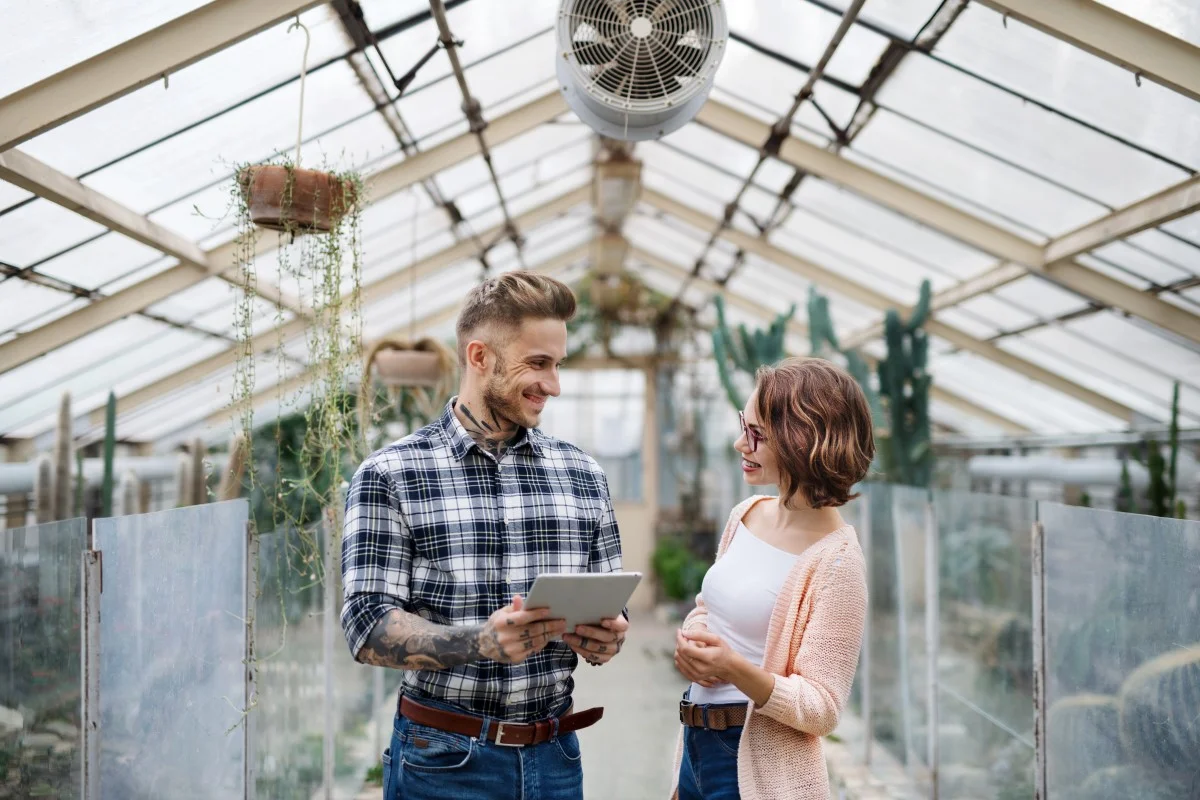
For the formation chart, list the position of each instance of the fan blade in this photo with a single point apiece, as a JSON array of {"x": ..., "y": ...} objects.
[{"x": 592, "y": 53}]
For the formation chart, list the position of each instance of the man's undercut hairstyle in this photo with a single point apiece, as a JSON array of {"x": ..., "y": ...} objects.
[
  {"x": 502, "y": 303},
  {"x": 818, "y": 423}
]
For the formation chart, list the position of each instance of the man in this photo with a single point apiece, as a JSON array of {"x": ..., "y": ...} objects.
[{"x": 446, "y": 529}]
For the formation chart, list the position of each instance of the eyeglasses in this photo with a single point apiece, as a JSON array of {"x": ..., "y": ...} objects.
[{"x": 753, "y": 437}]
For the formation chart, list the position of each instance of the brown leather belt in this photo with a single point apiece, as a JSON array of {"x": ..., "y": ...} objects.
[
  {"x": 713, "y": 718},
  {"x": 507, "y": 734}
]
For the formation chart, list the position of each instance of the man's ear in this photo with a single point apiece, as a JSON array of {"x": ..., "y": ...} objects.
[{"x": 477, "y": 355}]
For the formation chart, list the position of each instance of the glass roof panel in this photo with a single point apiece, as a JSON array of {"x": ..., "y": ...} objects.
[
  {"x": 96, "y": 263},
  {"x": 1043, "y": 143},
  {"x": 1053, "y": 71},
  {"x": 1142, "y": 264},
  {"x": 1039, "y": 297},
  {"x": 969, "y": 180},
  {"x": 1012, "y": 395},
  {"x": 381, "y": 13},
  {"x": 11, "y": 195},
  {"x": 1072, "y": 358},
  {"x": 683, "y": 192},
  {"x": 40, "y": 229},
  {"x": 802, "y": 30},
  {"x": 194, "y": 93},
  {"x": 25, "y": 305},
  {"x": 1179, "y": 18},
  {"x": 903, "y": 17},
  {"x": 1188, "y": 227},
  {"x": 1136, "y": 343},
  {"x": 31, "y": 39},
  {"x": 1168, "y": 247},
  {"x": 820, "y": 200},
  {"x": 194, "y": 159},
  {"x": 713, "y": 148}
]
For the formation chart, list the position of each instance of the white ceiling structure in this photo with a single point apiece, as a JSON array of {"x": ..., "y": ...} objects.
[{"x": 1036, "y": 160}]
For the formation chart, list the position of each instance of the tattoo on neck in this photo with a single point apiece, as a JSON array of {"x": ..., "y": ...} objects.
[{"x": 493, "y": 437}]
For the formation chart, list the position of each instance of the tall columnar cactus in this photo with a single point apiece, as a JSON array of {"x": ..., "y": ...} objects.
[
  {"x": 905, "y": 383},
  {"x": 110, "y": 448},
  {"x": 230, "y": 487},
  {"x": 199, "y": 493},
  {"x": 748, "y": 350},
  {"x": 824, "y": 343},
  {"x": 1160, "y": 712},
  {"x": 62, "y": 460},
  {"x": 183, "y": 481},
  {"x": 43, "y": 490},
  {"x": 1162, "y": 490}
]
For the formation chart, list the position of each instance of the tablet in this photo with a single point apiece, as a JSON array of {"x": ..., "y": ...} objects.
[{"x": 582, "y": 598}]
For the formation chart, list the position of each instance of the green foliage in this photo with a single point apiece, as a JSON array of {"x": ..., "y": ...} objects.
[
  {"x": 110, "y": 444},
  {"x": 375, "y": 773},
  {"x": 1160, "y": 712},
  {"x": 1162, "y": 492},
  {"x": 680, "y": 572},
  {"x": 747, "y": 351},
  {"x": 907, "y": 454},
  {"x": 823, "y": 343}
]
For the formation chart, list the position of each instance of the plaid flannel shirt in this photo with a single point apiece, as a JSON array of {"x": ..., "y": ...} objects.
[{"x": 437, "y": 527}]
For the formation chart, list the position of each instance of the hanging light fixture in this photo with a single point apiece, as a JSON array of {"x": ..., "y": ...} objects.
[
  {"x": 616, "y": 188},
  {"x": 608, "y": 254}
]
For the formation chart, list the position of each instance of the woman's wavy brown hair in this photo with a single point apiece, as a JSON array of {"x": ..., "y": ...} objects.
[{"x": 817, "y": 421}]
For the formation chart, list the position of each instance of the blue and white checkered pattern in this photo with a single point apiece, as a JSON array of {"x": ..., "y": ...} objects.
[{"x": 436, "y": 527}]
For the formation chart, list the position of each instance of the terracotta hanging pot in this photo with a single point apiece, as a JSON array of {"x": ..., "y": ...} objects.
[
  {"x": 409, "y": 368},
  {"x": 304, "y": 200}
]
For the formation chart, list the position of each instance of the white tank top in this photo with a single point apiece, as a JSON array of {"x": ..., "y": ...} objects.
[{"x": 739, "y": 591}]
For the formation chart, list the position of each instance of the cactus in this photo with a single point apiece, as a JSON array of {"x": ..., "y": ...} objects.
[
  {"x": 1124, "y": 500},
  {"x": 1162, "y": 492},
  {"x": 821, "y": 334},
  {"x": 62, "y": 460},
  {"x": 1083, "y": 736},
  {"x": 1130, "y": 783},
  {"x": 748, "y": 351},
  {"x": 183, "y": 481},
  {"x": 1173, "y": 448},
  {"x": 110, "y": 447},
  {"x": 80, "y": 484},
  {"x": 43, "y": 490},
  {"x": 1160, "y": 712},
  {"x": 230, "y": 487},
  {"x": 130, "y": 494},
  {"x": 199, "y": 492},
  {"x": 907, "y": 453}
]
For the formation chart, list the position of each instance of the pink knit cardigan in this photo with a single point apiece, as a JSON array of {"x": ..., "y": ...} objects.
[{"x": 812, "y": 650}]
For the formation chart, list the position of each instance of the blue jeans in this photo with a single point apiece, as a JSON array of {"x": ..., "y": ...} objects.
[
  {"x": 428, "y": 764},
  {"x": 709, "y": 767}
]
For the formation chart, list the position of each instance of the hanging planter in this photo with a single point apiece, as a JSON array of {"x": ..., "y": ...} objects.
[
  {"x": 281, "y": 197},
  {"x": 417, "y": 376}
]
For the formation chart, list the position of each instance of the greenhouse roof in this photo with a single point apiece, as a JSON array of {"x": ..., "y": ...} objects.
[{"x": 1034, "y": 159}]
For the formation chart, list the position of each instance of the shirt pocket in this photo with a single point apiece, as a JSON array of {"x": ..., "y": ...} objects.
[{"x": 560, "y": 530}]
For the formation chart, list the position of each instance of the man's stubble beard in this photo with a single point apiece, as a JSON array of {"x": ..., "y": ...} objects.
[{"x": 503, "y": 402}]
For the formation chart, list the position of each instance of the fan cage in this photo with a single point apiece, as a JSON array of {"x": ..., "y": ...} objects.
[{"x": 643, "y": 55}]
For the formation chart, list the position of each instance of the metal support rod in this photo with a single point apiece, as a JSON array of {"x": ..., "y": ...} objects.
[
  {"x": 779, "y": 132},
  {"x": 1040, "y": 689},
  {"x": 932, "y": 648},
  {"x": 865, "y": 538},
  {"x": 473, "y": 112},
  {"x": 89, "y": 714}
]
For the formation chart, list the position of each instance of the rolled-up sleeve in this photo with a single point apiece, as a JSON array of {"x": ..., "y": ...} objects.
[{"x": 376, "y": 554}]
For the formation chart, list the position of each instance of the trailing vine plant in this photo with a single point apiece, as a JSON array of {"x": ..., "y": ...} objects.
[{"x": 297, "y": 464}]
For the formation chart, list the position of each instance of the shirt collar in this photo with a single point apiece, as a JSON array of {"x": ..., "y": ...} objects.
[{"x": 461, "y": 441}]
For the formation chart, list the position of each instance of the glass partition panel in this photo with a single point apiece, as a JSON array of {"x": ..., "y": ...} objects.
[
  {"x": 1122, "y": 654},
  {"x": 909, "y": 507},
  {"x": 287, "y": 734},
  {"x": 40, "y": 569},
  {"x": 172, "y": 647},
  {"x": 985, "y": 658}
]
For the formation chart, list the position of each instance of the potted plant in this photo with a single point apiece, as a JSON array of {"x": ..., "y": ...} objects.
[{"x": 416, "y": 377}]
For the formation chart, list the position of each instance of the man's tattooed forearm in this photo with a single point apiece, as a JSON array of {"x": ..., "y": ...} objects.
[{"x": 406, "y": 641}]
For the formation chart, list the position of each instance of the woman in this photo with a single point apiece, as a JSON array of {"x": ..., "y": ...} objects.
[{"x": 772, "y": 644}]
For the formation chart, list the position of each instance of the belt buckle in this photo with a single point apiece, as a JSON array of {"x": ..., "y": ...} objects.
[{"x": 500, "y": 737}]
